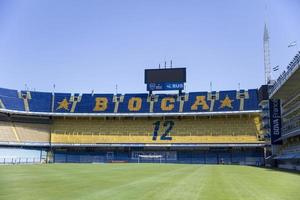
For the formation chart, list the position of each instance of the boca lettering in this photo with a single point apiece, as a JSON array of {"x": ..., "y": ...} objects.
[
  {"x": 167, "y": 103},
  {"x": 135, "y": 104},
  {"x": 100, "y": 104},
  {"x": 200, "y": 101}
]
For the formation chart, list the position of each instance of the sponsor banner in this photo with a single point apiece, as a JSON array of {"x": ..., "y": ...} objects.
[
  {"x": 275, "y": 120},
  {"x": 165, "y": 86}
]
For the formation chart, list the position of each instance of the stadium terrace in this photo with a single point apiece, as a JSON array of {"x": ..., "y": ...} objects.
[
  {"x": 217, "y": 127},
  {"x": 193, "y": 102},
  {"x": 162, "y": 142}
]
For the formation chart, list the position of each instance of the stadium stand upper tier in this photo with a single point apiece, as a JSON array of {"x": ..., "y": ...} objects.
[{"x": 62, "y": 103}]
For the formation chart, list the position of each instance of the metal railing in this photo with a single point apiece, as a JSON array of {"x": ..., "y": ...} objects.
[
  {"x": 291, "y": 68},
  {"x": 20, "y": 160}
]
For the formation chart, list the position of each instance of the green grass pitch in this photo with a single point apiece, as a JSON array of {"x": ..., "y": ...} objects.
[{"x": 146, "y": 181}]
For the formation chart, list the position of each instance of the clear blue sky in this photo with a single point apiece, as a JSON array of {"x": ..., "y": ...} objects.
[{"x": 83, "y": 45}]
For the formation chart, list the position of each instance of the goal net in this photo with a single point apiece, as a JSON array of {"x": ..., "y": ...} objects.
[{"x": 149, "y": 158}]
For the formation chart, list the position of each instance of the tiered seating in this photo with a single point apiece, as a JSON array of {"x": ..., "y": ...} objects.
[
  {"x": 232, "y": 96},
  {"x": 295, "y": 148},
  {"x": 59, "y": 98},
  {"x": 140, "y": 130},
  {"x": 252, "y": 103},
  {"x": 158, "y": 105},
  {"x": 11, "y": 100},
  {"x": 29, "y": 132},
  {"x": 24, "y": 132},
  {"x": 164, "y": 103},
  {"x": 144, "y": 105},
  {"x": 291, "y": 145},
  {"x": 40, "y": 102},
  {"x": 88, "y": 103},
  {"x": 7, "y": 132}
]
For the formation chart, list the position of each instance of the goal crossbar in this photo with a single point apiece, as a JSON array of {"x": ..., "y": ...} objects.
[{"x": 150, "y": 157}]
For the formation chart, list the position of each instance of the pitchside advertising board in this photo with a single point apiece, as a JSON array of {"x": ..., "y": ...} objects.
[
  {"x": 275, "y": 120},
  {"x": 165, "y": 79}
]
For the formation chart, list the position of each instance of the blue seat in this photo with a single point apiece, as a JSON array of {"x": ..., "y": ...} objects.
[
  {"x": 123, "y": 107},
  {"x": 11, "y": 100},
  {"x": 40, "y": 102},
  {"x": 88, "y": 103}
]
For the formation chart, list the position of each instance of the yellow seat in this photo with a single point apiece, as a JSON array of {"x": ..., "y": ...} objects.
[{"x": 232, "y": 129}]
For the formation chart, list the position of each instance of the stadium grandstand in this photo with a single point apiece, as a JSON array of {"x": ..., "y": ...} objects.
[
  {"x": 196, "y": 127},
  {"x": 149, "y": 100},
  {"x": 285, "y": 117},
  {"x": 247, "y": 127}
]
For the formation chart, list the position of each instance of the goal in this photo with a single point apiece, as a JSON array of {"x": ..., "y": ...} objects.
[{"x": 142, "y": 158}]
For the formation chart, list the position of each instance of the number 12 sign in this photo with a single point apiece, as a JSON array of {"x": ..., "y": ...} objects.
[{"x": 168, "y": 127}]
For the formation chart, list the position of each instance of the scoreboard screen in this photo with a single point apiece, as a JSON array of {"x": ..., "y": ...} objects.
[{"x": 175, "y": 75}]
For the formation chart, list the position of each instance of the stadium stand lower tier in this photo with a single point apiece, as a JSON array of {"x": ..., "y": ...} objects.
[
  {"x": 230, "y": 129},
  {"x": 199, "y": 140},
  {"x": 288, "y": 156},
  {"x": 242, "y": 156}
]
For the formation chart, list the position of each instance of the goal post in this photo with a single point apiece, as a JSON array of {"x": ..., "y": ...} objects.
[{"x": 148, "y": 157}]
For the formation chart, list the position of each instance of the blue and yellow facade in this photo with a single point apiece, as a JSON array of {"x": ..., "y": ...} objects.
[{"x": 196, "y": 102}]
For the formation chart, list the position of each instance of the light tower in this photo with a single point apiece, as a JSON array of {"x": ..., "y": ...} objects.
[{"x": 267, "y": 62}]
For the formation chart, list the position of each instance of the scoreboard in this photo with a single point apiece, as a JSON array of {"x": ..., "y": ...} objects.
[
  {"x": 165, "y": 79},
  {"x": 165, "y": 75}
]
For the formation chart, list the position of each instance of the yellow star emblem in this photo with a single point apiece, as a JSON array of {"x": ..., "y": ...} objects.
[
  {"x": 226, "y": 102},
  {"x": 64, "y": 104}
]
